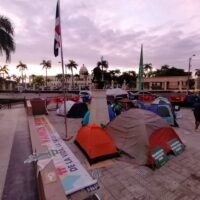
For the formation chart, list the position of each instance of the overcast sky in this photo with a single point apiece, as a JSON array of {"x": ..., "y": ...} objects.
[{"x": 115, "y": 29}]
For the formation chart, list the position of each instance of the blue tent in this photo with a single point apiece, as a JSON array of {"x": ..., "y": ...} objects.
[
  {"x": 86, "y": 118},
  {"x": 163, "y": 108},
  {"x": 111, "y": 113},
  {"x": 139, "y": 104}
]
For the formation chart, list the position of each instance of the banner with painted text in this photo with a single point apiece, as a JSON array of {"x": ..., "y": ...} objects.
[{"x": 72, "y": 174}]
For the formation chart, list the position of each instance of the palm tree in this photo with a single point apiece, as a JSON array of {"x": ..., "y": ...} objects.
[
  {"x": 114, "y": 74},
  {"x": 38, "y": 81},
  {"x": 59, "y": 77},
  {"x": 4, "y": 70},
  {"x": 165, "y": 67},
  {"x": 7, "y": 44},
  {"x": 104, "y": 65},
  {"x": 147, "y": 69},
  {"x": 32, "y": 77},
  {"x": 8, "y": 77},
  {"x": 72, "y": 65},
  {"x": 132, "y": 73},
  {"x": 46, "y": 65},
  {"x": 129, "y": 77},
  {"x": 67, "y": 76},
  {"x": 22, "y": 67},
  {"x": 15, "y": 78},
  {"x": 77, "y": 77},
  {"x": 197, "y": 73}
]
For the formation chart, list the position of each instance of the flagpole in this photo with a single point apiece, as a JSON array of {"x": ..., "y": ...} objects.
[{"x": 63, "y": 73}]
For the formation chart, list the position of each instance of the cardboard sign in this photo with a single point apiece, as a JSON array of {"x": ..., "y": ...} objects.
[
  {"x": 72, "y": 174},
  {"x": 50, "y": 177},
  {"x": 176, "y": 146},
  {"x": 159, "y": 156}
]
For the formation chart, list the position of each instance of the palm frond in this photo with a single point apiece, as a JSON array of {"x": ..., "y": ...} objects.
[
  {"x": 6, "y": 25},
  {"x": 21, "y": 66},
  {"x": 7, "y": 44}
]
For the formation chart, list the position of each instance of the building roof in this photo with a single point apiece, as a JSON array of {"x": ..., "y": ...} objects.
[{"x": 83, "y": 69}]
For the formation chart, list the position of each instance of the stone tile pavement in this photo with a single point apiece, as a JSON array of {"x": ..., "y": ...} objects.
[
  {"x": 178, "y": 179},
  {"x": 20, "y": 180},
  {"x": 7, "y": 130}
]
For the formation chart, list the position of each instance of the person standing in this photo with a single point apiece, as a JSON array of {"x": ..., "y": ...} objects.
[
  {"x": 196, "y": 111},
  {"x": 117, "y": 107}
]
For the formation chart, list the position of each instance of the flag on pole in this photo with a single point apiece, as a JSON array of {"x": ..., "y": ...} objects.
[
  {"x": 141, "y": 71},
  {"x": 57, "y": 40}
]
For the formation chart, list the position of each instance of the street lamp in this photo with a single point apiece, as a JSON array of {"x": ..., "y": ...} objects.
[{"x": 188, "y": 79}]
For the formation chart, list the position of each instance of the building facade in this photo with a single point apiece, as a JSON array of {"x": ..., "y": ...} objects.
[
  {"x": 172, "y": 83},
  {"x": 78, "y": 81}
]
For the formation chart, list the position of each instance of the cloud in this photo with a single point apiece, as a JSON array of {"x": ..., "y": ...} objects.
[{"x": 169, "y": 31}]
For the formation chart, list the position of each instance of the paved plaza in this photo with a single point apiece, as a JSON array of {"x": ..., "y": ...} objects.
[
  {"x": 178, "y": 179},
  {"x": 123, "y": 179}
]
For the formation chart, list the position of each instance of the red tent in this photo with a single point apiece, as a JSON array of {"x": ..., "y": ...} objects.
[{"x": 161, "y": 137}]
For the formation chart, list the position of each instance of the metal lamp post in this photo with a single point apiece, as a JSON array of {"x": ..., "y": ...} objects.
[
  {"x": 102, "y": 75},
  {"x": 188, "y": 79}
]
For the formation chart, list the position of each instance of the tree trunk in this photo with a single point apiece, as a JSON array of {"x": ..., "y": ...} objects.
[
  {"x": 46, "y": 77},
  {"x": 72, "y": 79},
  {"x": 102, "y": 76},
  {"x": 22, "y": 79}
]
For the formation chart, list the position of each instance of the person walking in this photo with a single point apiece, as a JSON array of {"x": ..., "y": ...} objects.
[{"x": 196, "y": 111}]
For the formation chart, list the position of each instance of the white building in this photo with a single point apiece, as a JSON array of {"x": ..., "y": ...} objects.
[{"x": 82, "y": 80}]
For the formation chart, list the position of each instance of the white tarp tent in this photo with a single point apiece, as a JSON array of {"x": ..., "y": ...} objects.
[
  {"x": 115, "y": 92},
  {"x": 69, "y": 104}
]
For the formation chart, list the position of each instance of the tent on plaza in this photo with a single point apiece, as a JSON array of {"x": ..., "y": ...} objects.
[
  {"x": 69, "y": 104},
  {"x": 78, "y": 110},
  {"x": 136, "y": 132},
  {"x": 95, "y": 143},
  {"x": 139, "y": 104},
  {"x": 111, "y": 113},
  {"x": 116, "y": 93},
  {"x": 86, "y": 118},
  {"x": 163, "y": 108}
]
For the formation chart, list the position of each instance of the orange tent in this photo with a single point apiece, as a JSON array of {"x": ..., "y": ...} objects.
[{"x": 95, "y": 143}]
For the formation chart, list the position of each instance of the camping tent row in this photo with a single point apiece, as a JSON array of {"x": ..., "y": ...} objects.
[
  {"x": 139, "y": 133},
  {"x": 160, "y": 106}
]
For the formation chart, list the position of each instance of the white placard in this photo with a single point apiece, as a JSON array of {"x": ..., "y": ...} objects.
[{"x": 72, "y": 174}]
